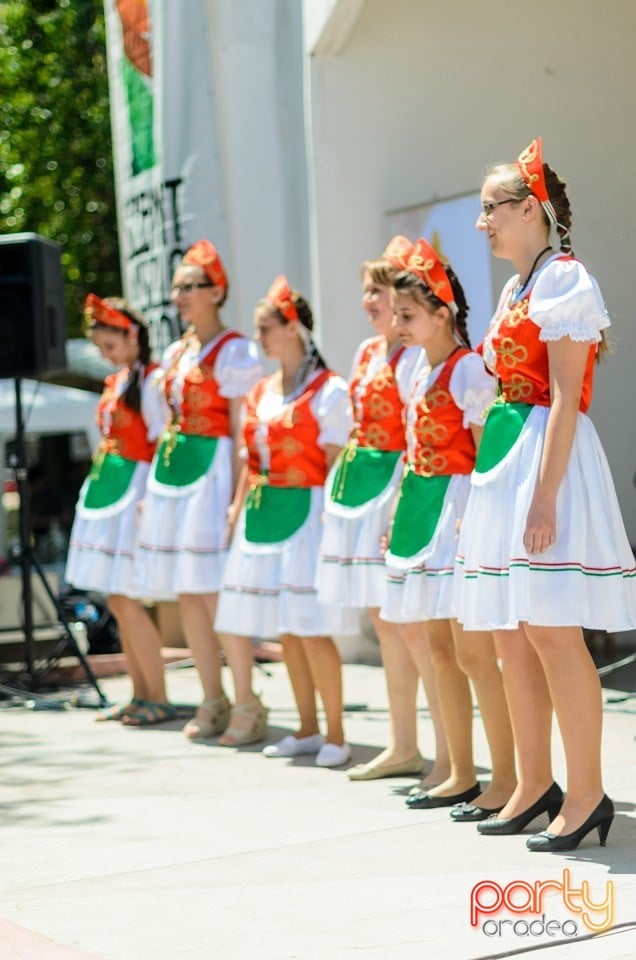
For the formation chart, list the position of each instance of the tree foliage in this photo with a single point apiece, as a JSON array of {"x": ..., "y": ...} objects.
[{"x": 56, "y": 171}]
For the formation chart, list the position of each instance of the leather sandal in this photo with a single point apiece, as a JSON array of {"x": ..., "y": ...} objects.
[
  {"x": 255, "y": 730},
  {"x": 118, "y": 711},
  {"x": 148, "y": 714},
  {"x": 218, "y": 712}
]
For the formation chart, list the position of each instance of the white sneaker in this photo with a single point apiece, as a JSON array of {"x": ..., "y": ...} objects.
[
  {"x": 333, "y": 755},
  {"x": 294, "y": 746}
]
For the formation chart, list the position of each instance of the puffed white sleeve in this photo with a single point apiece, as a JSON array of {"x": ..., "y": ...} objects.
[
  {"x": 154, "y": 408},
  {"x": 473, "y": 389},
  {"x": 331, "y": 407},
  {"x": 407, "y": 370},
  {"x": 566, "y": 302},
  {"x": 238, "y": 367},
  {"x": 355, "y": 363}
]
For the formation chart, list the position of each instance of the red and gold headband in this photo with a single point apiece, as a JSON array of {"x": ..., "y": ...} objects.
[
  {"x": 530, "y": 163},
  {"x": 204, "y": 254},
  {"x": 279, "y": 295},
  {"x": 425, "y": 263},
  {"x": 98, "y": 311},
  {"x": 398, "y": 251}
]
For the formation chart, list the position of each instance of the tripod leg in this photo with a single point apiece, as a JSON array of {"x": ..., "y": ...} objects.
[{"x": 35, "y": 563}]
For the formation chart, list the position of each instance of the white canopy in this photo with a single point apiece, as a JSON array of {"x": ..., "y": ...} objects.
[{"x": 48, "y": 408}]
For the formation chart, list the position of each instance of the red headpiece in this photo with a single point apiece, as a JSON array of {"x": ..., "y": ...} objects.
[
  {"x": 279, "y": 295},
  {"x": 530, "y": 163},
  {"x": 425, "y": 263},
  {"x": 398, "y": 251},
  {"x": 98, "y": 311},
  {"x": 204, "y": 254}
]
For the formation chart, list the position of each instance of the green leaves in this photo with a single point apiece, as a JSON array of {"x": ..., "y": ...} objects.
[{"x": 56, "y": 175}]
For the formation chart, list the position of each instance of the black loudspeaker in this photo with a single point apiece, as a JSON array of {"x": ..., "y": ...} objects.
[{"x": 32, "y": 321}]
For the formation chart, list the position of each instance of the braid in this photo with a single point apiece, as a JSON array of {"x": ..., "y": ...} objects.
[
  {"x": 132, "y": 391},
  {"x": 460, "y": 325},
  {"x": 559, "y": 200}
]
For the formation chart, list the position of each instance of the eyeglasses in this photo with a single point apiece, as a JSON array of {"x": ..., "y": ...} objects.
[
  {"x": 487, "y": 209},
  {"x": 188, "y": 287}
]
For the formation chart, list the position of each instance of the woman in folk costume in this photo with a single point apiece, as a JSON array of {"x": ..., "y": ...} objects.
[
  {"x": 358, "y": 504},
  {"x": 295, "y": 423},
  {"x": 543, "y": 547},
  {"x": 444, "y": 414},
  {"x": 131, "y": 415},
  {"x": 183, "y": 534}
]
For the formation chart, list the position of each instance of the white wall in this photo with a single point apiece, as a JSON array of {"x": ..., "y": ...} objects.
[
  {"x": 417, "y": 99},
  {"x": 257, "y": 63}
]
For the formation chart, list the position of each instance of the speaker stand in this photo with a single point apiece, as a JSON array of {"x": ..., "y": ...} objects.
[{"x": 30, "y": 564}]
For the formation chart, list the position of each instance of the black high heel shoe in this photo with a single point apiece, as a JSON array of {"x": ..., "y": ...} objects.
[
  {"x": 601, "y": 818},
  {"x": 549, "y": 803}
]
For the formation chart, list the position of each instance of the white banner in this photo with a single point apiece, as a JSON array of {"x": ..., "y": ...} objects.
[{"x": 166, "y": 165}]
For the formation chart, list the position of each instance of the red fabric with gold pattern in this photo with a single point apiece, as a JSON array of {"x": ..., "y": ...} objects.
[
  {"x": 97, "y": 311},
  {"x": 296, "y": 459},
  {"x": 425, "y": 263},
  {"x": 203, "y": 411},
  {"x": 377, "y": 405},
  {"x": 279, "y": 295},
  {"x": 530, "y": 163},
  {"x": 205, "y": 255},
  {"x": 440, "y": 444},
  {"x": 522, "y": 358},
  {"x": 123, "y": 430},
  {"x": 397, "y": 251}
]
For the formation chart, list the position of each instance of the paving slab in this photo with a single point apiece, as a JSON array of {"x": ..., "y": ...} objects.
[{"x": 129, "y": 844}]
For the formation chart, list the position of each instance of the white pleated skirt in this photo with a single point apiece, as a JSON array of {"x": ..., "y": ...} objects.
[
  {"x": 586, "y": 578},
  {"x": 101, "y": 553},
  {"x": 182, "y": 546},
  {"x": 421, "y": 588},
  {"x": 269, "y": 589},
  {"x": 351, "y": 571}
]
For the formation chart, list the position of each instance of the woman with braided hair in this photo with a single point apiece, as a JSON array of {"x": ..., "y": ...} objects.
[
  {"x": 131, "y": 415},
  {"x": 543, "y": 549},
  {"x": 444, "y": 416},
  {"x": 295, "y": 423}
]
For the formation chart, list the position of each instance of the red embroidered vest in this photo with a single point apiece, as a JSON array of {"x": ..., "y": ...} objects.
[
  {"x": 296, "y": 459},
  {"x": 203, "y": 411},
  {"x": 521, "y": 362},
  {"x": 377, "y": 406},
  {"x": 440, "y": 444},
  {"x": 124, "y": 431}
]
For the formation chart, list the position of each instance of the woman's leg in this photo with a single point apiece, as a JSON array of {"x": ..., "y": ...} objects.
[
  {"x": 456, "y": 709},
  {"x": 575, "y": 691},
  {"x": 197, "y": 619},
  {"x": 416, "y": 639},
  {"x": 325, "y": 665},
  {"x": 141, "y": 643},
  {"x": 530, "y": 710},
  {"x": 401, "y": 684},
  {"x": 476, "y": 656},
  {"x": 302, "y": 684},
  {"x": 197, "y": 612},
  {"x": 248, "y": 719}
]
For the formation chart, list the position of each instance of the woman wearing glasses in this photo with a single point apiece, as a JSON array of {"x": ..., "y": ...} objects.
[
  {"x": 183, "y": 534},
  {"x": 543, "y": 547}
]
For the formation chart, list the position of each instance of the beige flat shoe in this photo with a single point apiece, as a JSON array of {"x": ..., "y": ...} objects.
[
  {"x": 253, "y": 731},
  {"x": 218, "y": 715},
  {"x": 378, "y": 771}
]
